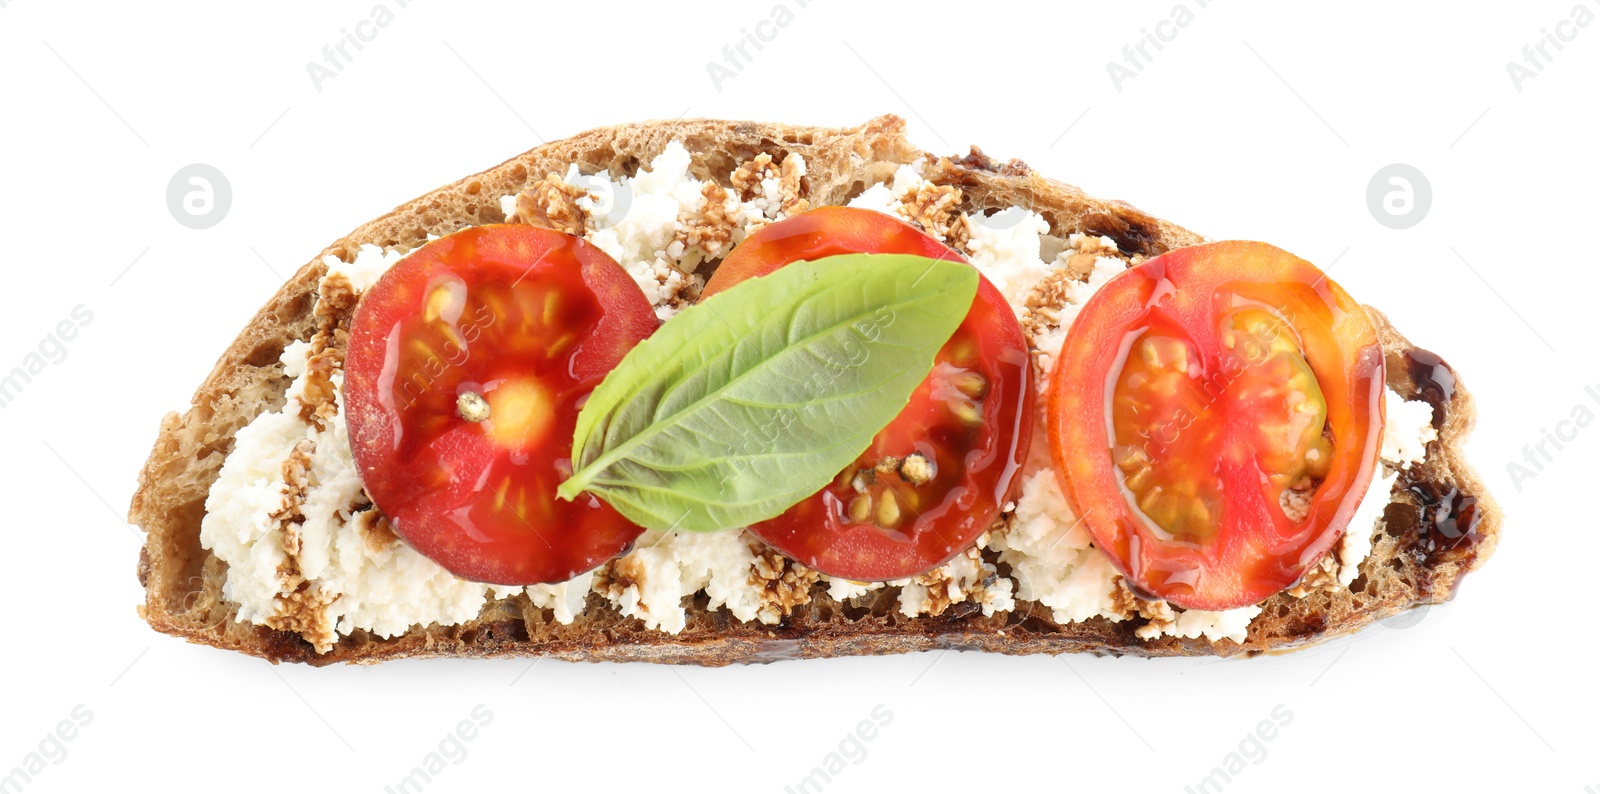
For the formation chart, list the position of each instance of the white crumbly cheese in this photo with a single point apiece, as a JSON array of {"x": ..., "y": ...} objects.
[
  {"x": 657, "y": 197},
  {"x": 638, "y": 220},
  {"x": 670, "y": 567},
  {"x": 1052, "y": 555},
  {"x": 877, "y": 198},
  {"x": 845, "y": 589},
  {"x": 386, "y": 591},
  {"x": 1009, "y": 253},
  {"x": 1005, "y": 247},
  {"x": 1232, "y": 624},
  {"x": 1049, "y": 343},
  {"x": 1407, "y": 430},
  {"x": 641, "y": 239},
  {"x": 370, "y": 263},
  {"x": 1356, "y": 543},
  {"x": 565, "y": 600},
  {"x": 885, "y": 197},
  {"x": 250, "y": 487},
  {"x": 967, "y": 577}
]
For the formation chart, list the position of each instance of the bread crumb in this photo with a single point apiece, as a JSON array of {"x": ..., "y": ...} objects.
[
  {"x": 1160, "y": 614},
  {"x": 784, "y": 584},
  {"x": 966, "y": 579},
  {"x": 319, "y": 397},
  {"x": 552, "y": 204},
  {"x": 1085, "y": 250},
  {"x": 747, "y": 177},
  {"x": 296, "y": 483},
  {"x": 713, "y": 229},
  {"x": 614, "y": 578},
  {"x": 305, "y": 612},
  {"x": 1322, "y": 575},
  {"x": 936, "y": 209},
  {"x": 1045, "y": 311},
  {"x": 1123, "y": 602},
  {"x": 794, "y": 170},
  {"x": 336, "y": 302},
  {"x": 301, "y": 606},
  {"x": 939, "y": 591}
]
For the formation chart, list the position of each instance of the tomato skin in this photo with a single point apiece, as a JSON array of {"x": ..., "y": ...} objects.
[
  {"x": 532, "y": 320},
  {"x": 975, "y": 461},
  {"x": 1216, "y": 439},
  {"x": 822, "y": 232}
]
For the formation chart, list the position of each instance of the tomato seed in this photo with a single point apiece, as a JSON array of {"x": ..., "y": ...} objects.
[
  {"x": 966, "y": 411},
  {"x": 860, "y": 508},
  {"x": 888, "y": 510},
  {"x": 972, "y": 384}
]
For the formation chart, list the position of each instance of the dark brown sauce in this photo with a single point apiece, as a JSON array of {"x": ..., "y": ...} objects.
[
  {"x": 1435, "y": 380},
  {"x": 1448, "y": 530}
]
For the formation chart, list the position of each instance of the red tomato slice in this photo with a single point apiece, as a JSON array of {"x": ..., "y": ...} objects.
[
  {"x": 936, "y": 477},
  {"x": 1215, "y": 418},
  {"x": 529, "y": 320}
]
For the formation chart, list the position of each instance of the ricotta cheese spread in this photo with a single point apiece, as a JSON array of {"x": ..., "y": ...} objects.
[
  {"x": 306, "y": 552},
  {"x": 289, "y": 516}
]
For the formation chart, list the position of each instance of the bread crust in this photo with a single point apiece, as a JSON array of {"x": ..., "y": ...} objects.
[{"x": 1415, "y": 560}]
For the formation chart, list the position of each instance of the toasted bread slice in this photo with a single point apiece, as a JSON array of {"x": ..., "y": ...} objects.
[{"x": 1440, "y": 522}]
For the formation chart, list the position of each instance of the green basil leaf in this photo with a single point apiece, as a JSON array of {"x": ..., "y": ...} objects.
[{"x": 741, "y": 406}]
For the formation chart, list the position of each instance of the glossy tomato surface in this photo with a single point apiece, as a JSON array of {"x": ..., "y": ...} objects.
[
  {"x": 529, "y": 320},
  {"x": 1215, "y": 418},
  {"x": 936, "y": 477}
]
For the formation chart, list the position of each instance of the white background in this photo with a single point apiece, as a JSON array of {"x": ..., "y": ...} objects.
[{"x": 1259, "y": 120}]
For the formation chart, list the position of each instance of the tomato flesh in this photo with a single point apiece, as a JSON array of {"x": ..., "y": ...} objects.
[
  {"x": 1215, "y": 418},
  {"x": 936, "y": 477},
  {"x": 467, "y": 365}
]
